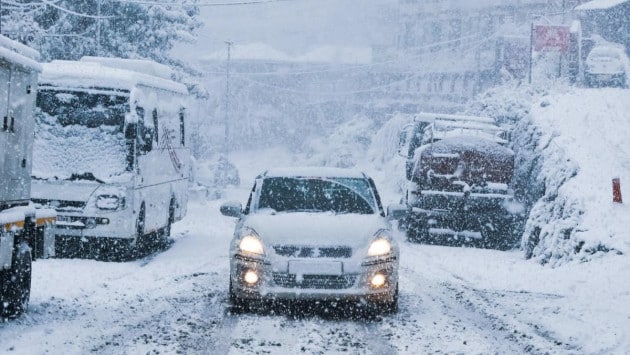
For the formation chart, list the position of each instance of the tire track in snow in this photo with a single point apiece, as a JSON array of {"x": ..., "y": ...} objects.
[
  {"x": 489, "y": 314},
  {"x": 299, "y": 330}
]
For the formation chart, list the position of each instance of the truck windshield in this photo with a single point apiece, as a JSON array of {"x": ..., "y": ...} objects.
[
  {"x": 82, "y": 108},
  {"x": 80, "y": 134},
  {"x": 338, "y": 195}
]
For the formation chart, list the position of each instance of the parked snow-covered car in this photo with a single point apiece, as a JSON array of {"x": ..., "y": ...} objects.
[
  {"x": 313, "y": 234},
  {"x": 605, "y": 65}
]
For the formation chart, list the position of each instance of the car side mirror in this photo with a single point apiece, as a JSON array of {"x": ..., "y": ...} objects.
[
  {"x": 232, "y": 209},
  {"x": 396, "y": 211}
]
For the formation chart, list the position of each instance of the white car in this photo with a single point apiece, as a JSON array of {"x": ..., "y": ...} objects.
[
  {"x": 606, "y": 65},
  {"x": 313, "y": 234}
]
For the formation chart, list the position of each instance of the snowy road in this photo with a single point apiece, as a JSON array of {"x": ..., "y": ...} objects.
[{"x": 453, "y": 300}]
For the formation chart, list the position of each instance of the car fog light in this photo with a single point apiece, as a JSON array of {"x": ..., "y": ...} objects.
[
  {"x": 250, "y": 277},
  {"x": 378, "y": 280},
  {"x": 90, "y": 223}
]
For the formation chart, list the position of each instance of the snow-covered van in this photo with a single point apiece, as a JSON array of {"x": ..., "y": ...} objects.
[
  {"x": 110, "y": 153},
  {"x": 25, "y": 231}
]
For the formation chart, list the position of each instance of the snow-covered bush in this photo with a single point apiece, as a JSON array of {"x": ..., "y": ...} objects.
[
  {"x": 560, "y": 176},
  {"x": 345, "y": 147},
  {"x": 212, "y": 176}
]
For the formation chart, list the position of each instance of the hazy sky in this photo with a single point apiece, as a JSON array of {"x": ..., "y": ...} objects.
[{"x": 296, "y": 26}]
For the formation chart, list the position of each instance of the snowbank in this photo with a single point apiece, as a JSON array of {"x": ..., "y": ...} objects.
[{"x": 569, "y": 144}]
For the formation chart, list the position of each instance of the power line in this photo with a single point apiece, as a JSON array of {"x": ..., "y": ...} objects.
[
  {"x": 244, "y": 3},
  {"x": 350, "y": 68},
  {"x": 51, "y": 4},
  {"x": 209, "y": 4}
]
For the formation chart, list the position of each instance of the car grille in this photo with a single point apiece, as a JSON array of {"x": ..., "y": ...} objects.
[
  {"x": 61, "y": 205},
  {"x": 331, "y": 282},
  {"x": 313, "y": 252}
]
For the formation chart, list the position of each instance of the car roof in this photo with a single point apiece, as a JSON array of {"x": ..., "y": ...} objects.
[
  {"x": 606, "y": 49},
  {"x": 316, "y": 172}
]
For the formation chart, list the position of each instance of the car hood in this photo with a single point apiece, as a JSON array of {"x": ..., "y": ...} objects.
[{"x": 316, "y": 229}]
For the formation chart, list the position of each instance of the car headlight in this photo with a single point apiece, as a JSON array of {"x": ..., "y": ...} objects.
[
  {"x": 380, "y": 246},
  {"x": 109, "y": 202},
  {"x": 251, "y": 244}
]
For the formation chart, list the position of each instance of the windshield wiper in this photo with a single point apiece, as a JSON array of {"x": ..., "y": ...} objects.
[{"x": 84, "y": 176}]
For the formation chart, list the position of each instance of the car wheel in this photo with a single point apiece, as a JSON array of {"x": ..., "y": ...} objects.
[
  {"x": 588, "y": 80},
  {"x": 380, "y": 306},
  {"x": 391, "y": 307},
  {"x": 237, "y": 304},
  {"x": 16, "y": 283}
]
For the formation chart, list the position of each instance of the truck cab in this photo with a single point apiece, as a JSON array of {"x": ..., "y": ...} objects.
[{"x": 25, "y": 230}]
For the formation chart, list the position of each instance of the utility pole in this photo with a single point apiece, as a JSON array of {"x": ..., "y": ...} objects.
[
  {"x": 227, "y": 98},
  {"x": 98, "y": 28}
]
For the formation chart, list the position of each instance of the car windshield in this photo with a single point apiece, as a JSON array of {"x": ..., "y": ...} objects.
[{"x": 338, "y": 195}]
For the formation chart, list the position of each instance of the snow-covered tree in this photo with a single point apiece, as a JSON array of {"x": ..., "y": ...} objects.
[{"x": 69, "y": 29}]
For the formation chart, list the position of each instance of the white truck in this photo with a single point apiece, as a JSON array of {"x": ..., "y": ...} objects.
[
  {"x": 25, "y": 231},
  {"x": 111, "y": 154}
]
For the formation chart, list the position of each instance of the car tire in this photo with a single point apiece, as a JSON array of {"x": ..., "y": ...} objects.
[
  {"x": 16, "y": 283},
  {"x": 391, "y": 307},
  {"x": 237, "y": 304}
]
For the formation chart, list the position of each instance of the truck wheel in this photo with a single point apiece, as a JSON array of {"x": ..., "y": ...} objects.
[
  {"x": 166, "y": 232},
  {"x": 142, "y": 242},
  {"x": 16, "y": 283}
]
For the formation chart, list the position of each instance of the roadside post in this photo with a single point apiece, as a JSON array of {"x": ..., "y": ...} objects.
[{"x": 616, "y": 185}]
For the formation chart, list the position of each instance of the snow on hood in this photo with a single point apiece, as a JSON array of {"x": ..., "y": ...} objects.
[
  {"x": 62, "y": 191},
  {"x": 316, "y": 229}
]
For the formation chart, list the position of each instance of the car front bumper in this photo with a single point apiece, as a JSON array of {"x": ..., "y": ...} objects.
[{"x": 353, "y": 285}]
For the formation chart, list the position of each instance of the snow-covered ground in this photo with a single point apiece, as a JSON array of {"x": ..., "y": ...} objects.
[{"x": 453, "y": 300}]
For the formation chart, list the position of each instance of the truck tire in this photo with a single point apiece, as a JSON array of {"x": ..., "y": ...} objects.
[
  {"x": 166, "y": 232},
  {"x": 16, "y": 283}
]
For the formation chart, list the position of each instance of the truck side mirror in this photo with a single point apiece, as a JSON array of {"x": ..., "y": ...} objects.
[
  {"x": 145, "y": 139},
  {"x": 130, "y": 131},
  {"x": 130, "y": 138},
  {"x": 396, "y": 211}
]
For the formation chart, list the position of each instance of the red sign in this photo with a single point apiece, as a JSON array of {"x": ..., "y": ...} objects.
[{"x": 546, "y": 37}]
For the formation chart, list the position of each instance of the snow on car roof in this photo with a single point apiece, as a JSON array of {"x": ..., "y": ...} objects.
[
  {"x": 328, "y": 172},
  {"x": 17, "y": 53},
  {"x": 75, "y": 74},
  {"x": 599, "y": 5}
]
